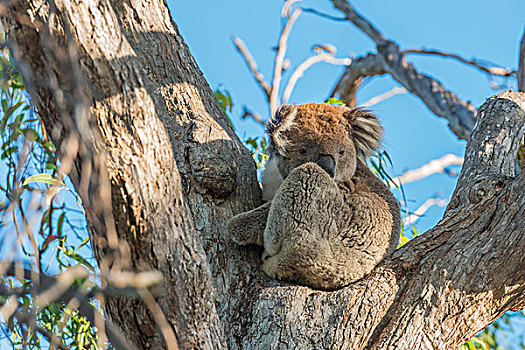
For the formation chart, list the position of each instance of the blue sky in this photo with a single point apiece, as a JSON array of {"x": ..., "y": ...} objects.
[{"x": 478, "y": 29}]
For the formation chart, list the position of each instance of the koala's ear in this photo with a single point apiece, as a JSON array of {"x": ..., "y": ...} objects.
[
  {"x": 367, "y": 132},
  {"x": 278, "y": 126}
]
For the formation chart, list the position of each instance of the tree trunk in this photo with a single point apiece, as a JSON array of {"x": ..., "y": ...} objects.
[
  {"x": 177, "y": 173},
  {"x": 176, "y": 169}
]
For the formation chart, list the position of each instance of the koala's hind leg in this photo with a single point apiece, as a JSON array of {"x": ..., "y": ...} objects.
[{"x": 300, "y": 226}]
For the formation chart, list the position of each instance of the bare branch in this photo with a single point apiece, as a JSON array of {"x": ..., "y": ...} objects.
[
  {"x": 521, "y": 65},
  {"x": 416, "y": 215},
  {"x": 360, "y": 22},
  {"x": 443, "y": 103},
  {"x": 52, "y": 289},
  {"x": 386, "y": 95},
  {"x": 160, "y": 319},
  {"x": 325, "y": 53},
  {"x": 433, "y": 167},
  {"x": 248, "y": 113},
  {"x": 250, "y": 61},
  {"x": 51, "y": 337},
  {"x": 322, "y": 14},
  {"x": 279, "y": 57},
  {"x": 350, "y": 81},
  {"x": 493, "y": 70}
]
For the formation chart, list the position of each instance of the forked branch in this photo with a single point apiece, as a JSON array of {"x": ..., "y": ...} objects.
[
  {"x": 323, "y": 53},
  {"x": 390, "y": 59}
]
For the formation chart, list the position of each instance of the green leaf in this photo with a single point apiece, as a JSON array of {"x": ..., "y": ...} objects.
[
  {"x": 252, "y": 142},
  {"x": 8, "y": 152},
  {"x": 334, "y": 101},
  {"x": 45, "y": 178},
  {"x": 83, "y": 243},
  {"x": 60, "y": 224}
]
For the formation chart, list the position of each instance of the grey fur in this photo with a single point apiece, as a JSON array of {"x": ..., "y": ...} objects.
[{"x": 319, "y": 230}]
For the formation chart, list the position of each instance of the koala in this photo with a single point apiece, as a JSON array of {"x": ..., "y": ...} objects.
[{"x": 327, "y": 220}]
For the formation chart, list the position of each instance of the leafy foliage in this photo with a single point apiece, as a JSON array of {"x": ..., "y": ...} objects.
[
  {"x": 42, "y": 224},
  {"x": 224, "y": 99}
]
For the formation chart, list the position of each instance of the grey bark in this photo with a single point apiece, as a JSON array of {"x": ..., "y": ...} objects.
[
  {"x": 175, "y": 167},
  {"x": 177, "y": 173}
]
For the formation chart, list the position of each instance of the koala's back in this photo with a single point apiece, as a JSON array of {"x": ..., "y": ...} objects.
[
  {"x": 337, "y": 238},
  {"x": 375, "y": 193}
]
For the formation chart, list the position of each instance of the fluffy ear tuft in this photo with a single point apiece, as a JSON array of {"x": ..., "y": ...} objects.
[
  {"x": 367, "y": 132},
  {"x": 278, "y": 125}
]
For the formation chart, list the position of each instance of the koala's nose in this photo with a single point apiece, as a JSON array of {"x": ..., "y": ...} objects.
[{"x": 327, "y": 163}]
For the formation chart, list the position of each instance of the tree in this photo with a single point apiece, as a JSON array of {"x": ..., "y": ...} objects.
[{"x": 160, "y": 170}]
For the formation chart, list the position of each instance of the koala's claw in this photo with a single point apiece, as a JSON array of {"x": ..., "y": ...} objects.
[{"x": 271, "y": 267}]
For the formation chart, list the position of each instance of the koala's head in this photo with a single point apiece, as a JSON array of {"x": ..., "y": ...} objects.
[{"x": 330, "y": 136}]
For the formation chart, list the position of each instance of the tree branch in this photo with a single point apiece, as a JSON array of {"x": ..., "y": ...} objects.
[
  {"x": 493, "y": 70},
  {"x": 384, "y": 96},
  {"x": 348, "y": 84},
  {"x": 432, "y": 167},
  {"x": 279, "y": 57},
  {"x": 250, "y": 61},
  {"x": 360, "y": 22},
  {"x": 324, "y": 53},
  {"x": 443, "y": 103},
  {"x": 416, "y": 215}
]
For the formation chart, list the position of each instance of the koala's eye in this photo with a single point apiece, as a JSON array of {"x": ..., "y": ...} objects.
[
  {"x": 302, "y": 151},
  {"x": 342, "y": 152}
]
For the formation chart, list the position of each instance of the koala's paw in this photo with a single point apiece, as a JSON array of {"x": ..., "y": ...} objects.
[
  {"x": 312, "y": 175},
  {"x": 271, "y": 267}
]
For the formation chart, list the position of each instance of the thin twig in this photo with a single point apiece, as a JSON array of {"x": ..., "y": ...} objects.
[
  {"x": 325, "y": 53},
  {"x": 416, "y": 215},
  {"x": 43, "y": 295},
  {"x": 250, "y": 61},
  {"x": 433, "y": 167},
  {"x": 248, "y": 113},
  {"x": 322, "y": 14},
  {"x": 384, "y": 96},
  {"x": 279, "y": 58},
  {"x": 54, "y": 341},
  {"x": 160, "y": 319},
  {"x": 500, "y": 71}
]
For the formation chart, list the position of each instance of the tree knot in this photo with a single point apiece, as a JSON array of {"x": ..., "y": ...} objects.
[
  {"x": 212, "y": 173},
  {"x": 486, "y": 186}
]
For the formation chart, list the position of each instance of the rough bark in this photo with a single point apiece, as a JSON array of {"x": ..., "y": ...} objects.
[
  {"x": 174, "y": 164},
  {"x": 177, "y": 173},
  {"x": 349, "y": 83}
]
